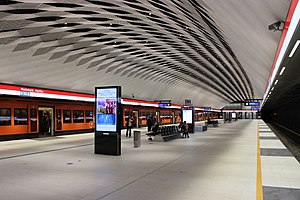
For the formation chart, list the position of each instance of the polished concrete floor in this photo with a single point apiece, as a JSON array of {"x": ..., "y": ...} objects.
[{"x": 216, "y": 164}]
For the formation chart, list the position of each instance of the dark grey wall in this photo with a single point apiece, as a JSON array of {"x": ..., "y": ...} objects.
[{"x": 287, "y": 115}]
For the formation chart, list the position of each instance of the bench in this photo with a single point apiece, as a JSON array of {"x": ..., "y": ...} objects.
[
  {"x": 214, "y": 123},
  {"x": 164, "y": 133}
]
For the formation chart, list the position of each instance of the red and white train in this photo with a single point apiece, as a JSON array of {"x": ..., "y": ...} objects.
[{"x": 27, "y": 112}]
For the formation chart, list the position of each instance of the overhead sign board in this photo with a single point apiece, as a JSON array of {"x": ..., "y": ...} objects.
[
  {"x": 207, "y": 108},
  {"x": 188, "y": 102},
  {"x": 252, "y": 103},
  {"x": 162, "y": 105}
]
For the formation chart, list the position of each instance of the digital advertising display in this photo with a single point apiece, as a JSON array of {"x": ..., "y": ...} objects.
[
  {"x": 187, "y": 115},
  {"x": 106, "y": 109},
  {"x": 233, "y": 115}
]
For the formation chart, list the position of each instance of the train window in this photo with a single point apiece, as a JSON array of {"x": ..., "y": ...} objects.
[
  {"x": 21, "y": 116},
  {"x": 67, "y": 116},
  {"x": 5, "y": 117},
  {"x": 78, "y": 116},
  {"x": 88, "y": 116}
]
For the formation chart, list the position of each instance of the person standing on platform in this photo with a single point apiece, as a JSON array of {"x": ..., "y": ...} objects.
[
  {"x": 149, "y": 123},
  {"x": 129, "y": 123},
  {"x": 181, "y": 127},
  {"x": 185, "y": 130}
]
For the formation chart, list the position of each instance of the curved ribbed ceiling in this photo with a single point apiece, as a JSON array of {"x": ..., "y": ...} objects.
[{"x": 148, "y": 45}]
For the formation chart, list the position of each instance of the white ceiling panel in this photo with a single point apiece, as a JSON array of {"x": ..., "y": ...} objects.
[{"x": 211, "y": 51}]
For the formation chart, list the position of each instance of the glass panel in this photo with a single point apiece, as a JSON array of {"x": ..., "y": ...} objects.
[
  {"x": 33, "y": 120},
  {"x": 5, "y": 117},
  {"x": 58, "y": 120},
  {"x": 78, "y": 116},
  {"x": 88, "y": 116},
  {"x": 67, "y": 116},
  {"x": 21, "y": 116}
]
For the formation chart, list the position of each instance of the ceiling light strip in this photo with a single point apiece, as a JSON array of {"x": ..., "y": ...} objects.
[
  {"x": 282, "y": 70},
  {"x": 294, "y": 48}
]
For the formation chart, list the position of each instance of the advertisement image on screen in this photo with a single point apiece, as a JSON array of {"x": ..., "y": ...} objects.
[
  {"x": 106, "y": 110},
  {"x": 233, "y": 115},
  {"x": 187, "y": 115}
]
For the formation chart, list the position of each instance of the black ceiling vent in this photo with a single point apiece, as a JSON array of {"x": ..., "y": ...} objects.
[
  {"x": 101, "y": 3},
  {"x": 64, "y": 25},
  {"x": 116, "y": 11},
  {"x": 83, "y": 12},
  {"x": 64, "y": 5},
  {"x": 94, "y": 35},
  {"x": 97, "y": 19},
  {"x": 8, "y": 2},
  {"x": 137, "y": 7},
  {"x": 80, "y": 30},
  {"x": 105, "y": 39},
  {"x": 23, "y": 11},
  {"x": 46, "y": 19}
]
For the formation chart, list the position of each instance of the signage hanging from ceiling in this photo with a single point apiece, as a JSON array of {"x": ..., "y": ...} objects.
[
  {"x": 252, "y": 103},
  {"x": 188, "y": 102}
]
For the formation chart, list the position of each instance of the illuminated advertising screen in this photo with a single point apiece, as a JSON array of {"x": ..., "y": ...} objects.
[
  {"x": 106, "y": 109},
  {"x": 187, "y": 115},
  {"x": 233, "y": 115}
]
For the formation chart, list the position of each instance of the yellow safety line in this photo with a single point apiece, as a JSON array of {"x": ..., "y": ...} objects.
[{"x": 259, "y": 192}]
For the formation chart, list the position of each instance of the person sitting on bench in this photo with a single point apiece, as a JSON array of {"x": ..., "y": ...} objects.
[{"x": 154, "y": 131}]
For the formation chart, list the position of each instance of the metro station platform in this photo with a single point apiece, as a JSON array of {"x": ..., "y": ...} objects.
[{"x": 238, "y": 160}]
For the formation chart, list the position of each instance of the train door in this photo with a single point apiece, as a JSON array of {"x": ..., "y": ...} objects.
[
  {"x": 135, "y": 118},
  {"x": 32, "y": 126},
  {"x": 173, "y": 117},
  {"x": 247, "y": 115},
  {"x": 258, "y": 115},
  {"x": 46, "y": 121},
  {"x": 157, "y": 115}
]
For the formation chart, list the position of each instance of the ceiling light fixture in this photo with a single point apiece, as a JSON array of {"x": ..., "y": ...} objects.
[
  {"x": 294, "y": 48},
  {"x": 282, "y": 70}
]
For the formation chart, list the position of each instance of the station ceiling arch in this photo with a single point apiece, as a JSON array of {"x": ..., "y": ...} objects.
[{"x": 213, "y": 52}]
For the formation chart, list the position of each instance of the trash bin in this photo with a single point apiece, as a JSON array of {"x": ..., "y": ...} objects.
[{"x": 136, "y": 139}]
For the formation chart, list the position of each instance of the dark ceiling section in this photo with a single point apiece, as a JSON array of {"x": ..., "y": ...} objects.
[
  {"x": 286, "y": 89},
  {"x": 173, "y": 42}
]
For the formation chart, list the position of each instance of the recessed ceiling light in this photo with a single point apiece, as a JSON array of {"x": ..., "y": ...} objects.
[
  {"x": 294, "y": 48},
  {"x": 282, "y": 70},
  {"x": 276, "y": 82}
]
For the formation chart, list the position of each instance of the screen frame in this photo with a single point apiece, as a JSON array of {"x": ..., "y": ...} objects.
[{"x": 117, "y": 98}]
